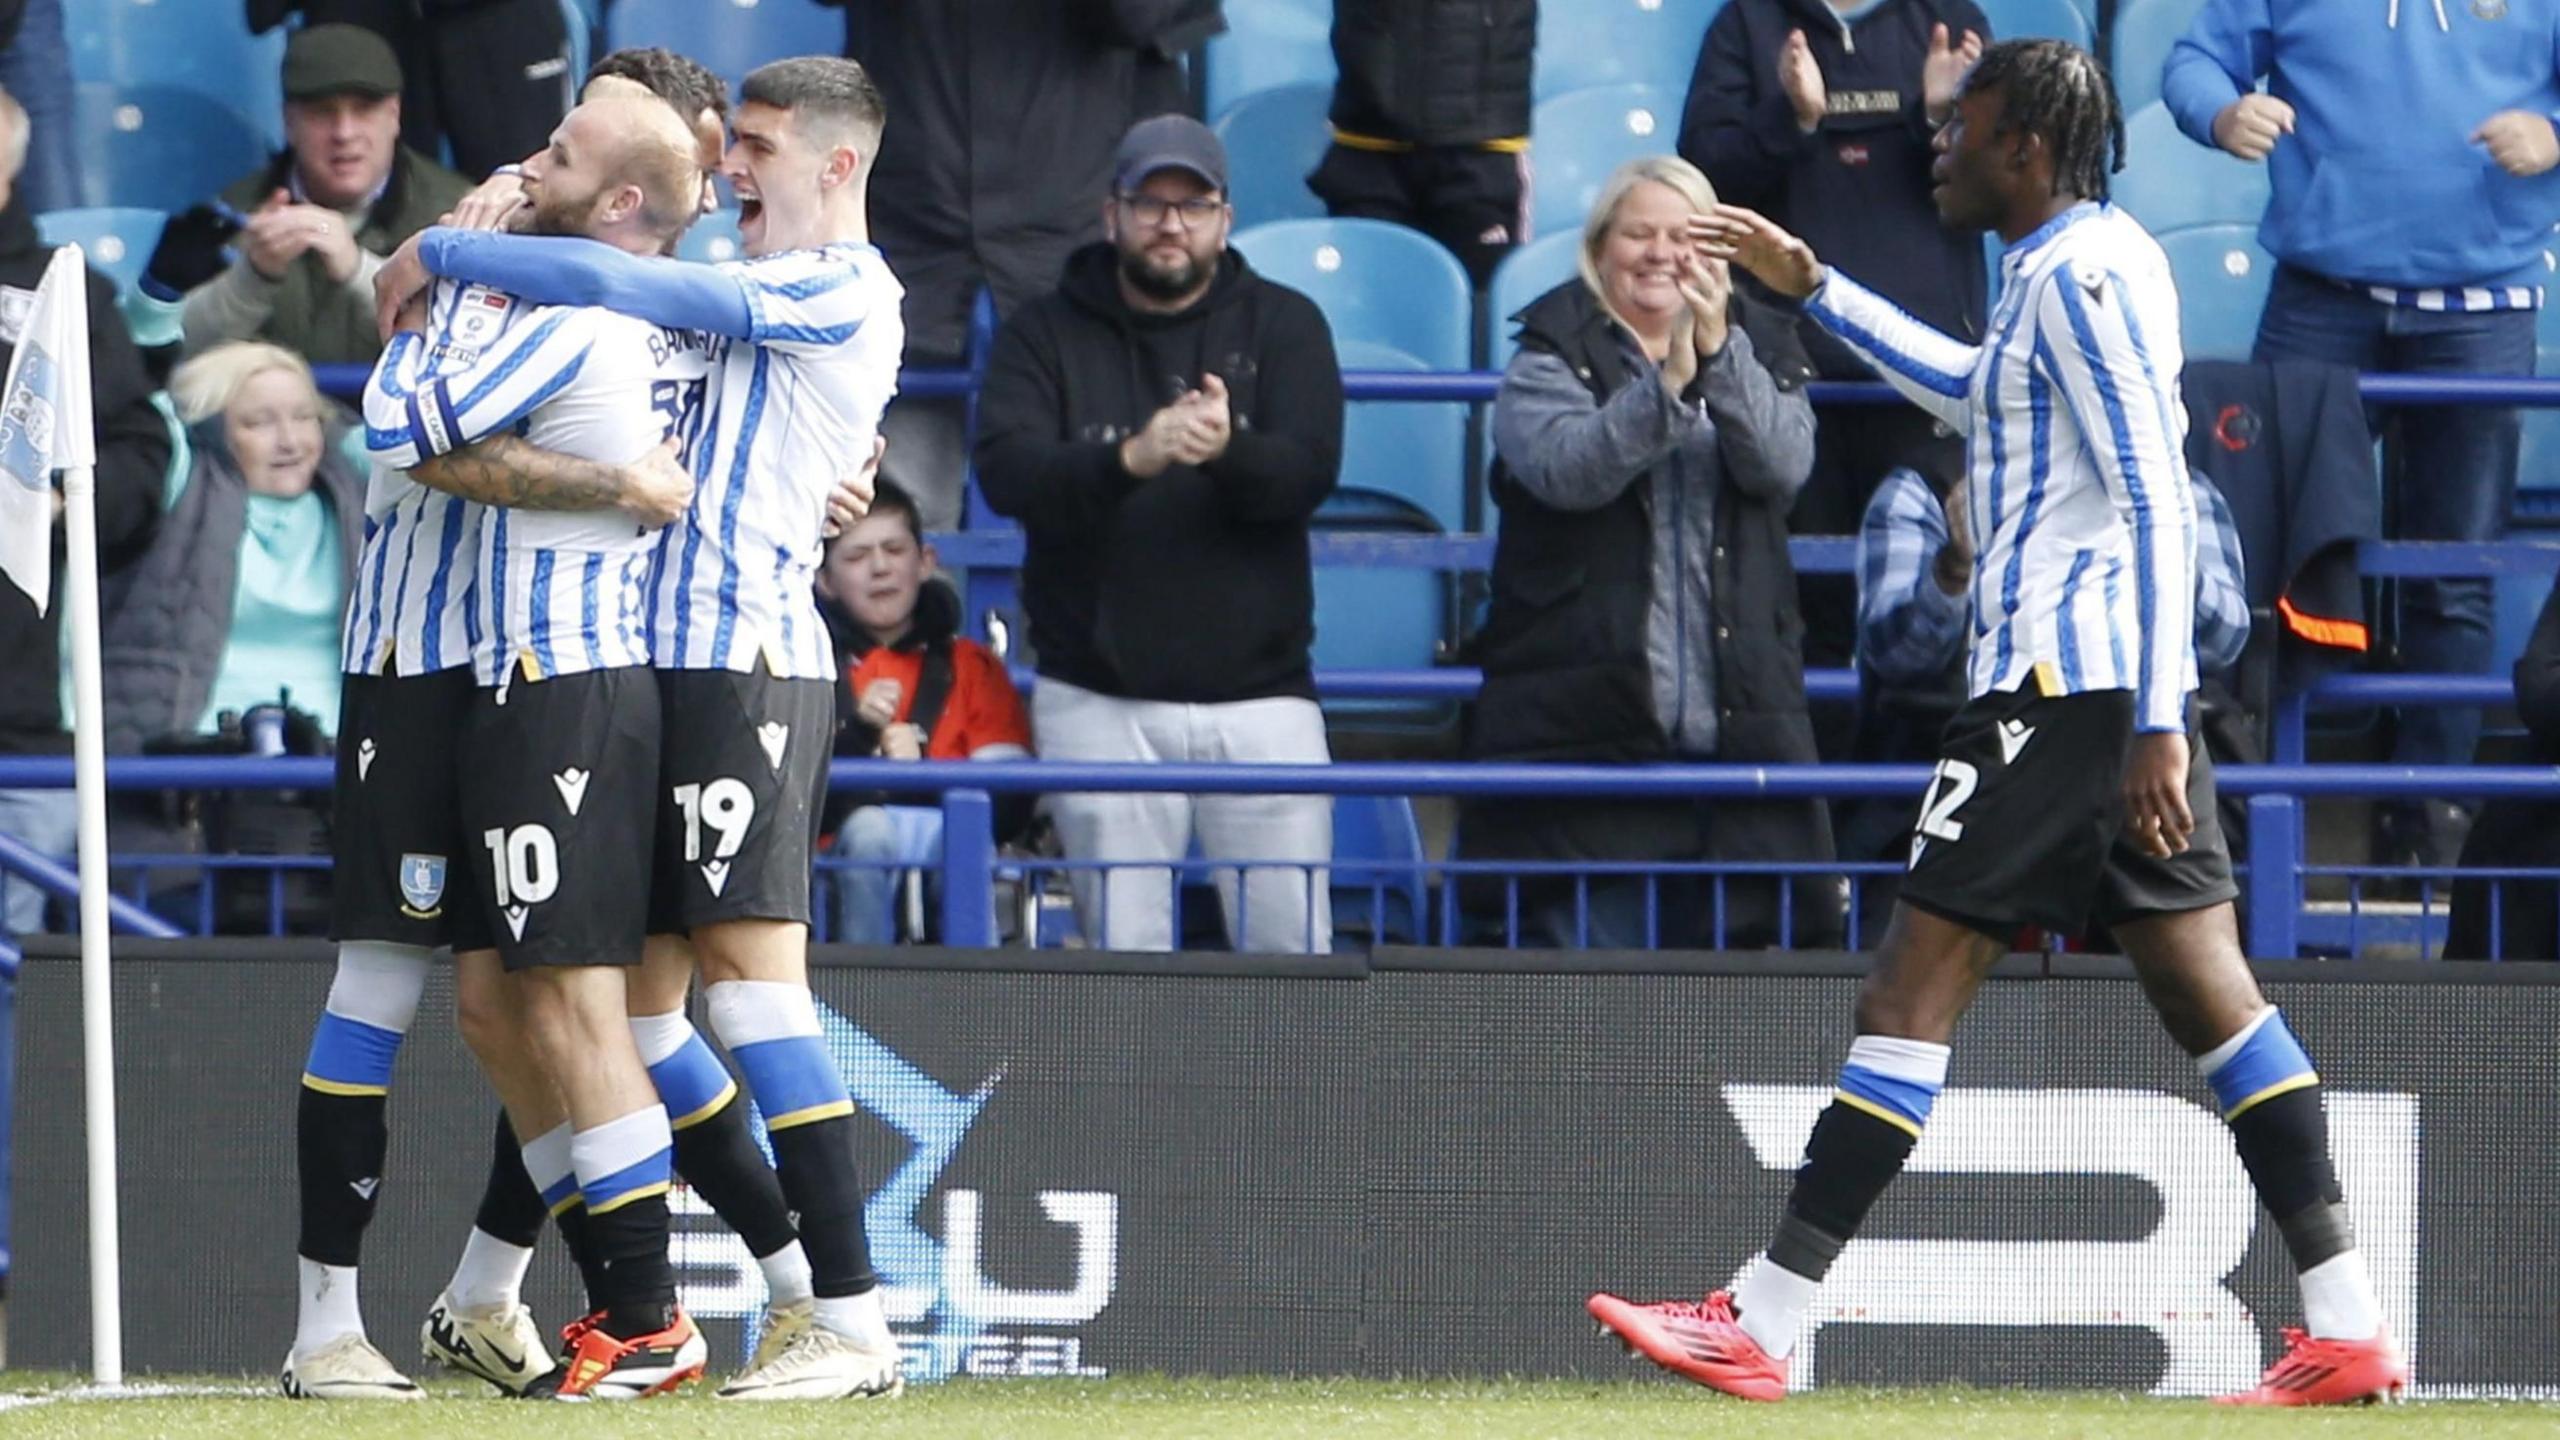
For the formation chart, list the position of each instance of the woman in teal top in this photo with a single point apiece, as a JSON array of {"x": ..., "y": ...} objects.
[{"x": 238, "y": 601}]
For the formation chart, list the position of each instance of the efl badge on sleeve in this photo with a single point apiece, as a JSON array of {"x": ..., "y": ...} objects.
[{"x": 422, "y": 886}]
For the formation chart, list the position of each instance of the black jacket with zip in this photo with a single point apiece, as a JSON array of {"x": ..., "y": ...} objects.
[
  {"x": 1195, "y": 585},
  {"x": 1857, "y": 188},
  {"x": 1433, "y": 72}
]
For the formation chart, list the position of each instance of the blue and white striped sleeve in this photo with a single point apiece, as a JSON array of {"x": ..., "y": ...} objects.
[
  {"x": 803, "y": 302},
  {"x": 2090, "y": 342},
  {"x": 1931, "y": 370},
  {"x": 388, "y": 435},
  {"x": 1909, "y": 628},
  {"x": 531, "y": 361},
  {"x": 2222, "y": 581}
]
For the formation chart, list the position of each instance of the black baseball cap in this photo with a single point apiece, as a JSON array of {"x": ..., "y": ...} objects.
[
  {"x": 325, "y": 60},
  {"x": 1169, "y": 142}
]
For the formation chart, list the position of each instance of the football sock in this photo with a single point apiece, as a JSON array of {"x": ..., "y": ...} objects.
[
  {"x": 715, "y": 1152},
  {"x": 2270, "y": 1097},
  {"x": 858, "y": 1318},
  {"x": 548, "y": 1165},
  {"x": 623, "y": 1168},
  {"x": 772, "y": 1029},
  {"x": 1887, "y": 1088},
  {"x": 786, "y": 1275},
  {"x": 490, "y": 1275},
  {"x": 325, "y": 1304},
  {"x": 340, "y": 1137},
  {"x": 511, "y": 1207}
]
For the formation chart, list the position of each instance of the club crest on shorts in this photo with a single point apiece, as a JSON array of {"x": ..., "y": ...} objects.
[{"x": 421, "y": 886}]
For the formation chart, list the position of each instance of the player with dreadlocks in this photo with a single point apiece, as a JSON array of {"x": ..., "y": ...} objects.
[{"x": 2069, "y": 788}]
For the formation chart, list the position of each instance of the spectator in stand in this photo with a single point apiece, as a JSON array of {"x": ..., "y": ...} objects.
[
  {"x": 490, "y": 78},
  {"x": 1164, "y": 428},
  {"x": 915, "y": 689},
  {"x": 133, "y": 459},
  {"x": 1820, "y": 114},
  {"x": 1649, "y": 436},
  {"x": 35, "y": 66},
  {"x": 2518, "y": 834},
  {"x": 2410, "y": 154},
  {"x": 1003, "y": 114},
  {"x": 1431, "y": 121},
  {"x": 239, "y": 598},
  {"x": 313, "y": 227},
  {"x": 1915, "y": 577}
]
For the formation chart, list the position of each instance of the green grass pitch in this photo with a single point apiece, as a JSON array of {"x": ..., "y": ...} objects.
[{"x": 1143, "y": 1408}]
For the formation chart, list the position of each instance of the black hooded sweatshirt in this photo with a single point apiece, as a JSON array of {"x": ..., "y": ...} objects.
[
  {"x": 132, "y": 474},
  {"x": 1193, "y": 586}
]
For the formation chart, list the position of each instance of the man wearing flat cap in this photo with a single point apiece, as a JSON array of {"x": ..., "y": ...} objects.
[
  {"x": 1164, "y": 427},
  {"x": 314, "y": 224}
]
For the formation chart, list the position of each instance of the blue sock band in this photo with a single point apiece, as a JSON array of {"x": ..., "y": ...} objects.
[
  {"x": 648, "y": 1176},
  {"x": 560, "y": 1194},
  {"x": 1896, "y": 1081},
  {"x": 349, "y": 1057},
  {"x": 794, "y": 1080},
  {"x": 692, "y": 1083},
  {"x": 2260, "y": 1063}
]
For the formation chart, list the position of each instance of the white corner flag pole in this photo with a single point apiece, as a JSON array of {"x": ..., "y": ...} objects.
[{"x": 46, "y": 424}]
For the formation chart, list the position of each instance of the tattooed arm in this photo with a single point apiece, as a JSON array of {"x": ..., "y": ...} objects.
[{"x": 510, "y": 470}]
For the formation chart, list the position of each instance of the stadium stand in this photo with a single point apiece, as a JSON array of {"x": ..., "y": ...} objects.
[
  {"x": 1621, "y": 42},
  {"x": 1274, "y": 139},
  {"x": 1375, "y": 282},
  {"x": 117, "y": 241},
  {"x": 1529, "y": 272},
  {"x": 1378, "y": 868},
  {"x": 1578, "y": 138},
  {"x": 159, "y": 147},
  {"x": 731, "y": 36},
  {"x": 2223, "y": 276},
  {"x": 1413, "y": 453},
  {"x": 2145, "y": 31},
  {"x": 713, "y": 237},
  {"x": 204, "y": 46},
  {"x": 1268, "y": 45},
  {"x": 2024, "y": 19},
  {"x": 2169, "y": 182}
]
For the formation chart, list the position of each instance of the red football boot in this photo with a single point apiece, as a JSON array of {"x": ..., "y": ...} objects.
[
  {"x": 2315, "y": 1370},
  {"x": 1701, "y": 1342}
]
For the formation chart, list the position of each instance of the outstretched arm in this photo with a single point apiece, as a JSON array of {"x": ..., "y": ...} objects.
[
  {"x": 512, "y": 471},
  {"x": 565, "y": 270}
]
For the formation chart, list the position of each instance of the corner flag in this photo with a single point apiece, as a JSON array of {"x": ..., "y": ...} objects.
[{"x": 45, "y": 424}]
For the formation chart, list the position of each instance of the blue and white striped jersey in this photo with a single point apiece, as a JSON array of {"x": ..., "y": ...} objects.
[
  {"x": 2076, "y": 477},
  {"x": 412, "y": 610},
  {"x": 1909, "y": 629},
  {"x": 792, "y": 408},
  {"x": 557, "y": 592}
]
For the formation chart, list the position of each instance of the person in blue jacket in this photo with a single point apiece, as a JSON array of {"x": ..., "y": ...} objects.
[{"x": 2410, "y": 145}]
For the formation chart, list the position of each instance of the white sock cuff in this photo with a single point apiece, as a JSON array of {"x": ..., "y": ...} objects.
[
  {"x": 378, "y": 984},
  {"x": 546, "y": 1157},
  {"x": 2220, "y": 1055},
  {"x": 660, "y": 1036},
  {"x": 620, "y": 1143},
  {"x": 1918, "y": 1062},
  {"x": 749, "y": 1012}
]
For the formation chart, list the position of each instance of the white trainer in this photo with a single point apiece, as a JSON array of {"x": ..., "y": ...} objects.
[
  {"x": 782, "y": 1325},
  {"x": 499, "y": 1344},
  {"x": 819, "y": 1364},
  {"x": 347, "y": 1368}
]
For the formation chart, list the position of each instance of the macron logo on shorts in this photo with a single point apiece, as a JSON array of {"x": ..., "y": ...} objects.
[{"x": 2014, "y": 735}]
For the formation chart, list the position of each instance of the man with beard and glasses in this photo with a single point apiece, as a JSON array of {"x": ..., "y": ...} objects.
[{"x": 1163, "y": 428}]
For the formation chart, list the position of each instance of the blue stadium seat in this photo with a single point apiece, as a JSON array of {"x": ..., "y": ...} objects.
[
  {"x": 732, "y": 37},
  {"x": 1269, "y": 44},
  {"x": 2222, "y": 285},
  {"x": 1374, "y": 281},
  {"x": 1378, "y": 857},
  {"x": 713, "y": 237},
  {"x": 1582, "y": 43},
  {"x": 199, "y": 45},
  {"x": 1523, "y": 276},
  {"x": 118, "y": 243},
  {"x": 1378, "y": 618},
  {"x": 2170, "y": 182},
  {"x": 157, "y": 147},
  {"x": 2146, "y": 31},
  {"x": 1274, "y": 140},
  {"x": 2035, "y": 19},
  {"x": 1581, "y": 136},
  {"x": 1412, "y": 451}
]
